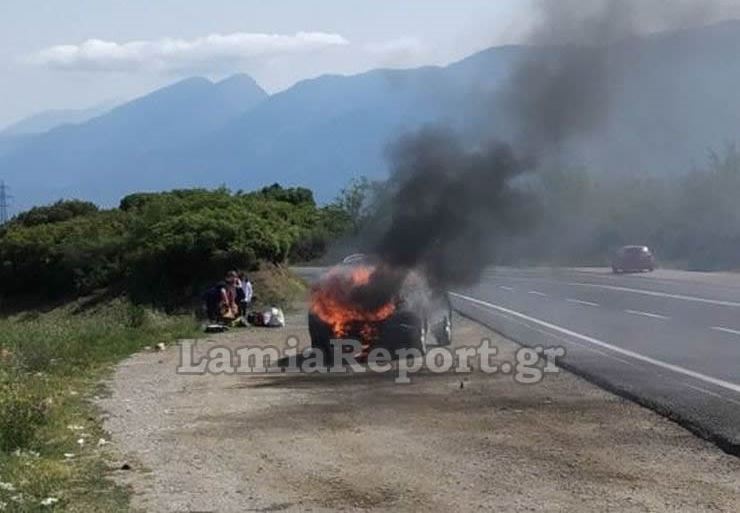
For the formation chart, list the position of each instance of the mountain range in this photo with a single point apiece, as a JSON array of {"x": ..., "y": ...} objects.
[
  {"x": 675, "y": 97},
  {"x": 46, "y": 120}
]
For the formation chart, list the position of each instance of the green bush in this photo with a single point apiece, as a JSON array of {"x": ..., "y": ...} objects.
[
  {"x": 163, "y": 248},
  {"x": 58, "y": 212},
  {"x": 137, "y": 316}
]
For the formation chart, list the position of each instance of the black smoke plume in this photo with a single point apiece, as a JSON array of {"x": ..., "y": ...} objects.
[
  {"x": 450, "y": 205},
  {"x": 451, "y": 202}
]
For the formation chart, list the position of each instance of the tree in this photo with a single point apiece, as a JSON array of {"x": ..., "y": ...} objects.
[
  {"x": 162, "y": 247},
  {"x": 62, "y": 210},
  {"x": 355, "y": 201}
]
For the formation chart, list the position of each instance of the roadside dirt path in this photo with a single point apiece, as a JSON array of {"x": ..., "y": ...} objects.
[{"x": 363, "y": 443}]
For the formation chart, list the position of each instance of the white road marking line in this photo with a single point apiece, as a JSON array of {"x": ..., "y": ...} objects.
[
  {"x": 581, "y": 302},
  {"x": 700, "y": 389},
  {"x": 658, "y": 294},
  {"x": 588, "y": 347},
  {"x": 560, "y": 337},
  {"x": 626, "y": 352},
  {"x": 506, "y": 288},
  {"x": 647, "y": 314},
  {"x": 726, "y": 330},
  {"x": 537, "y": 293},
  {"x": 713, "y": 394}
]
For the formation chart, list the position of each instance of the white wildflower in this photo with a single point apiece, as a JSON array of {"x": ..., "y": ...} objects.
[
  {"x": 69, "y": 455},
  {"x": 75, "y": 427},
  {"x": 3, "y": 505},
  {"x": 102, "y": 442},
  {"x": 81, "y": 442},
  {"x": 49, "y": 501},
  {"x": 8, "y": 487}
]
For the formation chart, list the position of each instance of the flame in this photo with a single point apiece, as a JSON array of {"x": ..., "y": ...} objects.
[{"x": 332, "y": 303}]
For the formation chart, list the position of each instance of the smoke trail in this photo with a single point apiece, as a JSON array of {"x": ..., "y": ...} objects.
[
  {"x": 452, "y": 203},
  {"x": 561, "y": 91}
]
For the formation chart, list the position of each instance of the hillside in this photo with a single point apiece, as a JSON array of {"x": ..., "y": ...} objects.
[
  {"x": 50, "y": 119},
  {"x": 103, "y": 157},
  {"x": 672, "y": 98}
]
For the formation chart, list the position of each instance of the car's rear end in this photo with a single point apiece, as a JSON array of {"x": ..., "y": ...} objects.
[{"x": 633, "y": 259}]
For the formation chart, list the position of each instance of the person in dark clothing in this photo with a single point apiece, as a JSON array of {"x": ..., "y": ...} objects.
[
  {"x": 221, "y": 300},
  {"x": 241, "y": 301},
  {"x": 212, "y": 299}
]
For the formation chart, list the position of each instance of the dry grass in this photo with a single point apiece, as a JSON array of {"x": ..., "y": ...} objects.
[{"x": 50, "y": 364}]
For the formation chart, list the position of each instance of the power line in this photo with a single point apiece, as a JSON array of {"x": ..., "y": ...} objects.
[{"x": 4, "y": 202}]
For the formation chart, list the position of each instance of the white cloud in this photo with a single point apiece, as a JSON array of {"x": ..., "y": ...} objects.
[{"x": 210, "y": 52}]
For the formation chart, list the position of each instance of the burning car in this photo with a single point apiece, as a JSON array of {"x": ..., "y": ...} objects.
[{"x": 364, "y": 300}]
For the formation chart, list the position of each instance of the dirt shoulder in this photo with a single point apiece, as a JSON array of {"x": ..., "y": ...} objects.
[{"x": 364, "y": 443}]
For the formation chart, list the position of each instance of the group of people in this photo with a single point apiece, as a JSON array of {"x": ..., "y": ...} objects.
[{"x": 229, "y": 300}]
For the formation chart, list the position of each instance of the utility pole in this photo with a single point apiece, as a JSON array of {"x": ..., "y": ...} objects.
[{"x": 4, "y": 202}]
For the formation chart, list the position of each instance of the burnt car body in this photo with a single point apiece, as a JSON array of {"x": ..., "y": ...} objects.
[
  {"x": 633, "y": 259},
  {"x": 420, "y": 319}
]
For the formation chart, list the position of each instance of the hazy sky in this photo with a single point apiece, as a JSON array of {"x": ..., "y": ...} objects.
[
  {"x": 78, "y": 53},
  {"x": 81, "y": 53}
]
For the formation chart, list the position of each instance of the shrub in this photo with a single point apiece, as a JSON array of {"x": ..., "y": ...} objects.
[
  {"x": 23, "y": 411},
  {"x": 58, "y": 212},
  {"x": 164, "y": 248}
]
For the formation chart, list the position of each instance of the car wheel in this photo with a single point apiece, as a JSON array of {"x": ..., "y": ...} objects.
[
  {"x": 321, "y": 336},
  {"x": 442, "y": 332}
]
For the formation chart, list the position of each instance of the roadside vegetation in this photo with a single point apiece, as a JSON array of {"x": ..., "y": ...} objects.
[
  {"x": 52, "y": 448},
  {"x": 690, "y": 221},
  {"x": 160, "y": 249},
  {"x": 582, "y": 216},
  {"x": 84, "y": 287}
]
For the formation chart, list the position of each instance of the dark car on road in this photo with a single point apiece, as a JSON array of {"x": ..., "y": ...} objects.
[{"x": 633, "y": 259}]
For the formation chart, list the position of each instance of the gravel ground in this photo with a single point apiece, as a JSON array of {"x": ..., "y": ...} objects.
[{"x": 363, "y": 443}]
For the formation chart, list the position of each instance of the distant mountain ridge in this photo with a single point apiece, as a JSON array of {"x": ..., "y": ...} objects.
[
  {"x": 105, "y": 156},
  {"x": 49, "y": 119},
  {"x": 676, "y": 97}
]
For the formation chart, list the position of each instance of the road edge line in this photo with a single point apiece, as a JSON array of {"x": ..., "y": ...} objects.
[
  {"x": 725, "y": 442},
  {"x": 626, "y": 352}
]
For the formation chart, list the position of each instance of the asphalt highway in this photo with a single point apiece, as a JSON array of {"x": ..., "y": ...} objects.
[{"x": 669, "y": 340}]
